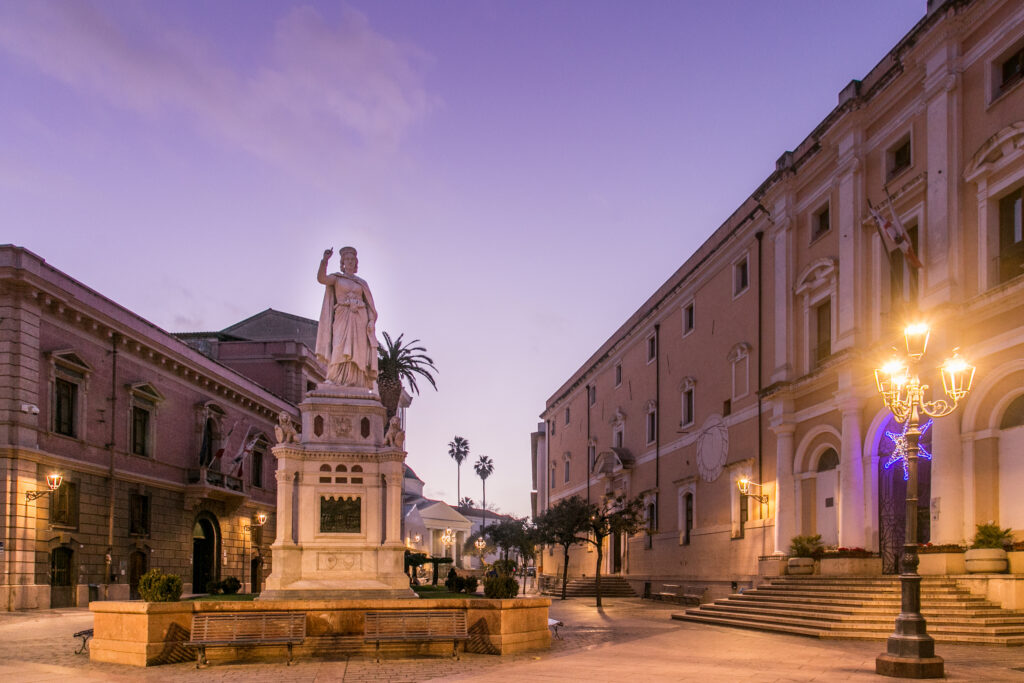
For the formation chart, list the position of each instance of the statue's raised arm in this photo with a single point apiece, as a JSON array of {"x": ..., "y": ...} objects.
[{"x": 345, "y": 338}]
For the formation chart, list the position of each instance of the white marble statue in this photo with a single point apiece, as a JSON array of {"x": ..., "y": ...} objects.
[
  {"x": 346, "y": 341},
  {"x": 285, "y": 429}
]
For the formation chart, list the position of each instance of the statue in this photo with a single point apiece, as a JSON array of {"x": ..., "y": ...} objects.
[
  {"x": 346, "y": 340},
  {"x": 285, "y": 430},
  {"x": 396, "y": 435}
]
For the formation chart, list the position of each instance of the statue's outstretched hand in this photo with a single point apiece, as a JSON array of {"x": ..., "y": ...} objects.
[{"x": 328, "y": 252}]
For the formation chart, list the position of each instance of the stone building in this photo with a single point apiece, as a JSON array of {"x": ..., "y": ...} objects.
[
  {"x": 164, "y": 453},
  {"x": 755, "y": 358}
]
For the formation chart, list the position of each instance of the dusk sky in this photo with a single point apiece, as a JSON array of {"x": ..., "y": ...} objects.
[{"x": 517, "y": 176}]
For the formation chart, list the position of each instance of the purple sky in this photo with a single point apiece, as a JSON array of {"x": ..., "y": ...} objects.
[{"x": 517, "y": 176}]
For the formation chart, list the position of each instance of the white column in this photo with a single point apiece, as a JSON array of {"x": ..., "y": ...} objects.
[
  {"x": 851, "y": 477},
  {"x": 947, "y": 503},
  {"x": 969, "y": 487},
  {"x": 785, "y": 509},
  {"x": 284, "y": 503}
]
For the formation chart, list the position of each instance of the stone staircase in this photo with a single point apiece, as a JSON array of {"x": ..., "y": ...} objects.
[
  {"x": 611, "y": 587},
  {"x": 862, "y": 608}
]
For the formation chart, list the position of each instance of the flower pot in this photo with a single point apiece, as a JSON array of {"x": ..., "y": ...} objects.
[
  {"x": 800, "y": 565},
  {"x": 985, "y": 560}
]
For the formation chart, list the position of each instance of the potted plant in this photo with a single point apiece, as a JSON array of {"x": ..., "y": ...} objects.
[
  {"x": 803, "y": 550},
  {"x": 987, "y": 554}
]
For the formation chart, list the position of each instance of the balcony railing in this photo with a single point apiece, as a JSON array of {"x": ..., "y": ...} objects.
[{"x": 216, "y": 479}]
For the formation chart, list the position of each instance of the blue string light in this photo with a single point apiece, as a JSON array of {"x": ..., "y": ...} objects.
[{"x": 899, "y": 453}]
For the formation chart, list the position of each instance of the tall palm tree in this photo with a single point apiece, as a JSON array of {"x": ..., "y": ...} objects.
[
  {"x": 484, "y": 466},
  {"x": 458, "y": 450},
  {"x": 466, "y": 502},
  {"x": 397, "y": 361}
]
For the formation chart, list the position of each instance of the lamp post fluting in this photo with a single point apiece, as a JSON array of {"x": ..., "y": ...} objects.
[{"x": 910, "y": 651}]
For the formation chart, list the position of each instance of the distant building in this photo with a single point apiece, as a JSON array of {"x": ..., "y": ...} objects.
[
  {"x": 164, "y": 453},
  {"x": 754, "y": 359}
]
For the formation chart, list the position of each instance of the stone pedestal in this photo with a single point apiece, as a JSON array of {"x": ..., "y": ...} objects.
[{"x": 339, "y": 503}]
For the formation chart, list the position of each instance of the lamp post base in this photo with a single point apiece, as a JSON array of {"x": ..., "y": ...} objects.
[{"x": 909, "y": 667}]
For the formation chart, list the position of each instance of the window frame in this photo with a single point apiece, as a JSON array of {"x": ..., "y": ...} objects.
[
  {"x": 824, "y": 210},
  {"x": 67, "y": 367},
  {"x": 689, "y": 313},
  {"x": 740, "y": 265},
  {"x": 65, "y": 496},
  {"x": 687, "y": 490},
  {"x": 652, "y": 423},
  {"x": 618, "y": 374},
  {"x": 140, "y": 526},
  {"x": 1011, "y": 256},
  {"x": 892, "y": 165},
  {"x": 143, "y": 397},
  {"x": 688, "y": 402},
  {"x": 652, "y": 348}
]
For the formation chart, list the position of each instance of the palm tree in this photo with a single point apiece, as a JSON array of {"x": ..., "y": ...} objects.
[
  {"x": 466, "y": 502},
  {"x": 484, "y": 466},
  {"x": 397, "y": 361},
  {"x": 458, "y": 450}
]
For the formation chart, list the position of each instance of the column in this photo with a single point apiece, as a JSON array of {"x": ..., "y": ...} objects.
[
  {"x": 851, "y": 477},
  {"x": 968, "y": 487},
  {"x": 285, "y": 484},
  {"x": 785, "y": 509},
  {"x": 782, "y": 305},
  {"x": 947, "y": 503},
  {"x": 849, "y": 289}
]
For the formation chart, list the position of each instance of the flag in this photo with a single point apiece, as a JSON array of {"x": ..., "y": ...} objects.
[
  {"x": 893, "y": 229},
  {"x": 217, "y": 460},
  {"x": 244, "y": 450}
]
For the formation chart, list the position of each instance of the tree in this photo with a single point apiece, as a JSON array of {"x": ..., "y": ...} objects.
[
  {"x": 458, "y": 450},
  {"x": 484, "y": 466},
  {"x": 565, "y": 523},
  {"x": 396, "y": 362},
  {"x": 465, "y": 502},
  {"x": 615, "y": 515}
]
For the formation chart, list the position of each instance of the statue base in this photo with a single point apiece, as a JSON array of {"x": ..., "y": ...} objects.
[{"x": 339, "y": 503}]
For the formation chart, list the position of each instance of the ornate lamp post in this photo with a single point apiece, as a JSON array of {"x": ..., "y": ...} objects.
[
  {"x": 910, "y": 651},
  {"x": 53, "y": 481},
  {"x": 261, "y": 519}
]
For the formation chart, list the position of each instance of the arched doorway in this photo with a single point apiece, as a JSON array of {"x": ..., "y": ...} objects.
[
  {"x": 205, "y": 552},
  {"x": 255, "y": 565},
  {"x": 61, "y": 590},
  {"x": 1011, "y": 465},
  {"x": 825, "y": 488},
  {"x": 892, "y": 492},
  {"x": 137, "y": 566}
]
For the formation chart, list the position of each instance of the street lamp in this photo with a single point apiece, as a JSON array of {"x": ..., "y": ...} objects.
[
  {"x": 261, "y": 519},
  {"x": 53, "y": 480},
  {"x": 910, "y": 651},
  {"x": 744, "y": 485}
]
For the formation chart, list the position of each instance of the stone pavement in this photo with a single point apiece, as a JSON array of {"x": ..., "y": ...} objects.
[{"x": 631, "y": 639}]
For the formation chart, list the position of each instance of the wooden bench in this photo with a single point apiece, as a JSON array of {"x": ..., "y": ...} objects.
[
  {"x": 420, "y": 625},
  {"x": 85, "y": 636},
  {"x": 244, "y": 629},
  {"x": 672, "y": 592}
]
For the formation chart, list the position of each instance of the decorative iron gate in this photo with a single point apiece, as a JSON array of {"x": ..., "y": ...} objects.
[{"x": 892, "y": 495}]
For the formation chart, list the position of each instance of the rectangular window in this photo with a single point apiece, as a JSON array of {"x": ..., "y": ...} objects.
[
  {"x": 618, "y": 374},
  {"x": 552, "y": 476},
  {"x": 591, "y": 457},
  {"x": 688, "y": 320},
  {"x": 898, "y": 159},
  {"x": 64, "y": 505},
  {"x": 652, "y": 426},
  {"x": 687, "y": 517},
  {"x": 1011, "y": 70},
  {"x": 592, "y": 395},
  {"x": 1011, "y": 236},
  {"x": 617, "y": 438},
  {"x": 140, "y": 431},
  {"x": 727, "y": 407},
  {"x": 823, "y": 333},
  {"x": 257, "y": 465},
  {"x": 566, "y": 471},
  {"x": 687, "y": 407},
  {"x": 821, "y": 222},
  {"x": 138, "y": 514},
  {"x": 552, "y": 427},
  {"x": 652, "y": 348},
  {"x": 741, "y": 277},
  {"x": 65, "y": 407},
  {"x": 567, "y": 415}
]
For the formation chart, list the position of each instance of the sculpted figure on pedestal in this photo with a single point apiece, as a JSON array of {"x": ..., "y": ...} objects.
[
  {"x": 346, "y": 340},
  {"x": 396, "y": 435},
  {"x": 285, "y": 430}
]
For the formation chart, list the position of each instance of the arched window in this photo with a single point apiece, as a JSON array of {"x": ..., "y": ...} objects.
[
  {"x": 829, "y": 460},
  {"x": 1014, "y": 415},
  {"x": 342, "y": 468}
]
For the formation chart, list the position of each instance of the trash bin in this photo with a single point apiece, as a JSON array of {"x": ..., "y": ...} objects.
[{"x": 94, "y": 592}]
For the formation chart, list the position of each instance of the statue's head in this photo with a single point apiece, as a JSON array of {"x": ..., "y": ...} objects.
[{"x": 349, "y": 260}]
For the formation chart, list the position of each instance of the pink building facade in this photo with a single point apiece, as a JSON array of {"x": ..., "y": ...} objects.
[
  {"x": 755, "y": 358},
  {"x": 164, "y": 453}
]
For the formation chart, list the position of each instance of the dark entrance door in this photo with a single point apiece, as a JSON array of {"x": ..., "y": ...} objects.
[
  {"x": 60, "y": 578},
  {"x": 137, "y": 562},
  {"x": 616, "y": 553},
  {"x": 892, "y": 493},
  {"x": 255, "y": 565},
  {"x": 204, "y": 555}
]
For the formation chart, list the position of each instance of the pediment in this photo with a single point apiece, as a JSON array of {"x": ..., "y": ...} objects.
[
  {"x": 819, "y": 273},
  {"x": 68, "y": 359},
  {"x": 997, "y": 151}
]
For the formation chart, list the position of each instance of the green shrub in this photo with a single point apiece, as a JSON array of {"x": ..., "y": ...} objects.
[
  {"x": 231, "y": 585},
  {"x": 214, "y": 587},
  {"x": 500, "y": 587},
  {"x": 504, "y": 567},
  {"x": 991, "y": 536},
  {"x": 155, "y": 586},
  {"x": 806, "y": 546},
  {"x": 471, "y": 584}
]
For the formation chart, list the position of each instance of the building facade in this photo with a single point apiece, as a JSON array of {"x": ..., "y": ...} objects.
[
  {"x": 754, "y": 360},
  {"x": 164, "y": 454}
]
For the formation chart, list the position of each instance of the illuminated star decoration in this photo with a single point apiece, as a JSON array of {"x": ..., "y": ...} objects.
[{"x": 899, "y": 453}]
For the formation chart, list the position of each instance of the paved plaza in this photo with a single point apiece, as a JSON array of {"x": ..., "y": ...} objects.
[{"x": 631, "y": 640}]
